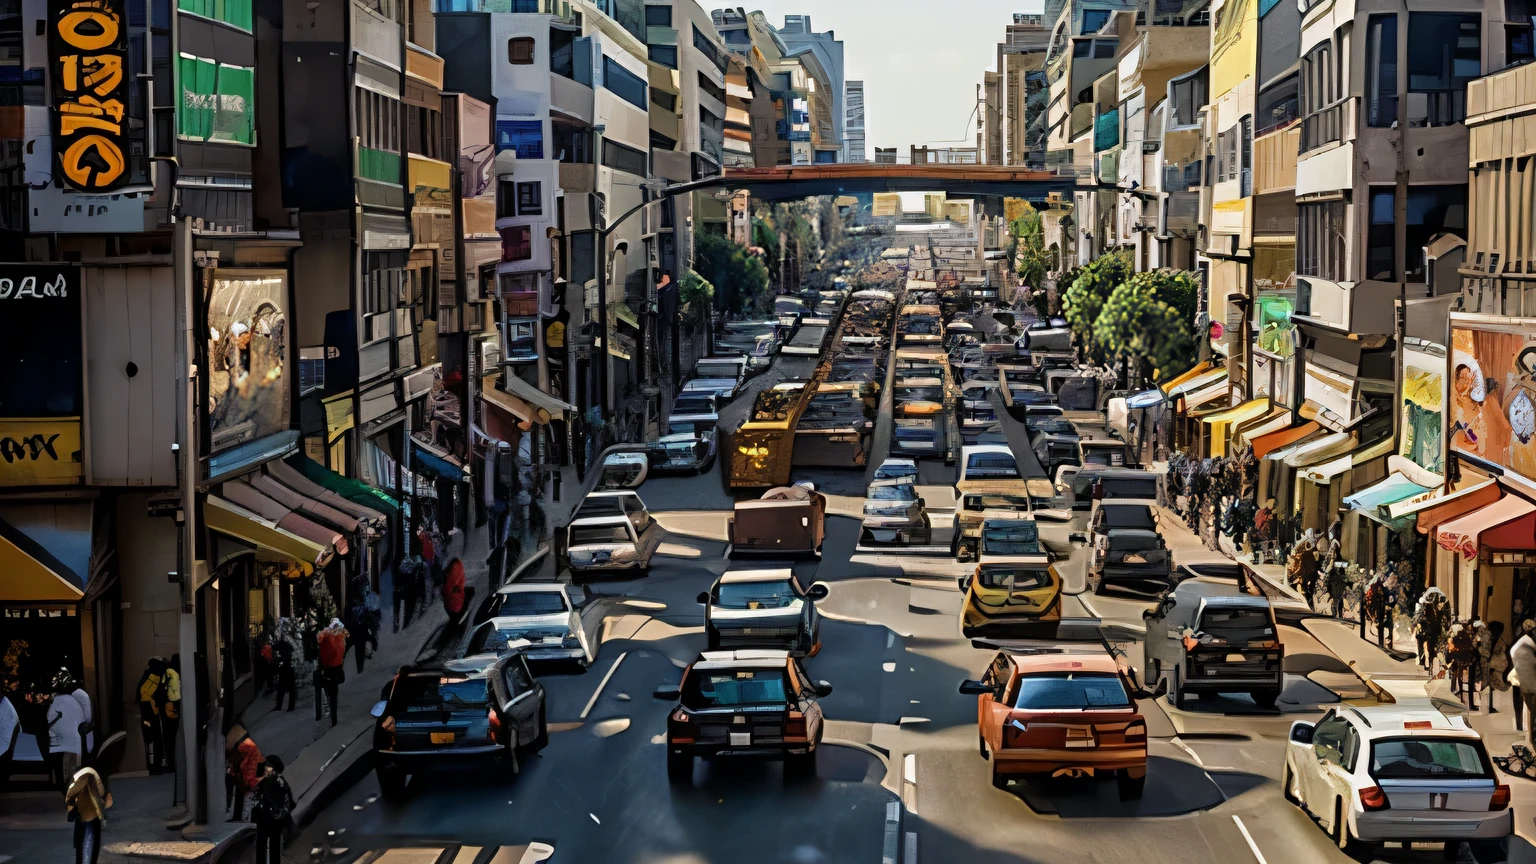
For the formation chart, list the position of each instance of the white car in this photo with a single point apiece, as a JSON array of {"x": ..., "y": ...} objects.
[
  {"x": 896, "y": 469},
  {"x": 543, "y": 616},
  {"x": 612, "y": 531},
  {"x": 1382, "y": 774},
  {"x": 894, "y": 502},
  {"x": 763, "y": 609}
]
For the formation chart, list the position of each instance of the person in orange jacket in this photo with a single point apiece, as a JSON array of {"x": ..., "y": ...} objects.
[
  {"x": 242, "y": 764},
  {"x": 453, "y": 589},
  {"x": 330, "y": 671}
]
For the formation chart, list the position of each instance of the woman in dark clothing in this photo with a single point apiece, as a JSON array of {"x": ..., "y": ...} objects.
[
  {"x": 272, "y": 812},
  {"x": 287, "y": 684}
]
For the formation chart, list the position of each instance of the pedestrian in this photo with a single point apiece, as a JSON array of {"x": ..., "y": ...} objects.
[
  {"x": 242, "y": 770},
  {"x": 331, "y": 670},
  {"x": 264, "y": 664},
  {"x": 65, "y": 720},
  {"x": 287, "y": 682},
  {"x": 170, "y": 710},
  {"x": 10, "y": 732},
  {"x": 357, "y": 634},
  {"x": 429, "y": 553},
  {"x": 1337, "y": 586},
  {"x": 272, "y": 811},
  {"x": 1431, "y": 620},
  {"x": 149, "y": 714},
  {"x": 86, "y": 802},
  {"x": 1495, "y": 661},
  {"x": 1522, "y": 668},
  {"x": 66, "y": 682}
]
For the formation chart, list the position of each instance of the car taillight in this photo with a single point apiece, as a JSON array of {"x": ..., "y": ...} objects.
[
  {"x": 1500, "y": 799},
  {"x": 1372, "y": 798},
  {"x": 1136, "y": 733},
  {"x": 680, "y": 728},
  {"x": 794, "y": 726},
  {"x": 495, "y": 723},
  {"x": 388, "y": 724}
]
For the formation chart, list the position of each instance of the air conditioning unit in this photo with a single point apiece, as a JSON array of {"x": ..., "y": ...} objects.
[{"x": 1053, "y": 197}]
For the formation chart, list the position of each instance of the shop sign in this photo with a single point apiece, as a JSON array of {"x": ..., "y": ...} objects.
[
  {"x": 1493, "y": 392},
  {"x": 88, "y": 65},
  {"x": 40, "y": 397},
  {"x": 248, "y": 380},
  {"x": 40, "y": 452},
  {"x": 1422, "y": 441}
]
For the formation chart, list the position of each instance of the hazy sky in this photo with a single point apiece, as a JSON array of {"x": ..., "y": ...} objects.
[{"x": 920, "y": 60}]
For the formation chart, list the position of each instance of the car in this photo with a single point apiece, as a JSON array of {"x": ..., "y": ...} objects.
[
  {"x": 1395, "y": 773},
  {"x": 720, "y": 389},
  {"x": 1011, "y": 598},
  {"x": 748, "y": 702},
  {"x": 694, "y": 404},
  {"x": 990, "y": 469},
  {"x": 612, "y": 531},
  {"x": 1114, "y": 513},
  {"x": 623, "y": 471},
  {"x": 974, "y": 509},
  {"x": 763, "y": 609},
  {"x": 896, "y": 469},
  {"x": 1053, "y": 714},
  {"x": 785, "y": 521},
  {"x": 1210, "y": 635},
  {"x": 1009, "y": 540},
  {"x": 1130, "y": 557},
  {"x": 895, "y": 502},
  {"x": 545, "y": 615},
  {"x": 729, "y": 371},
  {"x": 473, "y": 711},
  {"x": 689, "y": 445}
]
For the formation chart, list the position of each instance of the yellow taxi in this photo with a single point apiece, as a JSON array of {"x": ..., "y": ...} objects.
[{"x": 1006, "y": 596}]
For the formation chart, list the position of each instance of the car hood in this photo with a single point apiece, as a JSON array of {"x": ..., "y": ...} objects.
[
  {"x": 741, "y": 616},
  {"x": 518, "y": 622},
  {"x": 708, "y": 384}
]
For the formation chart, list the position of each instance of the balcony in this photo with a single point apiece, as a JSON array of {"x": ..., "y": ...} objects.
[
  {"x": 1501, "y": 91},
  {"x": 1106, "y": 130},
  {"x": 1365, "y": 308},
  {"x": 1274, "y": 159},
  {"x": 1329, "y": 125},
  {"x": 1183, "y": 212},
  {"x": 424, "y": 65},
  {"x": 571, "y": 98}
]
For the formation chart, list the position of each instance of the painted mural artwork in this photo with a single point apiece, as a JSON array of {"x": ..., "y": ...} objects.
[
  {"x": 1423, "y": 410},
  {"x": 1493, "y": 395},
  {"x": 247, "y": 346}
]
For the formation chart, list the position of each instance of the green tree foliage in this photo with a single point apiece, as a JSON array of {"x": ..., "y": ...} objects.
[
  {"x": 740, "y": 278},
  {"x": 695, "y": 296},
  {"x": 1141, "y": 322},
  {"x": 1030, "y": 256},
  {"x": 1086, "y": 296}
]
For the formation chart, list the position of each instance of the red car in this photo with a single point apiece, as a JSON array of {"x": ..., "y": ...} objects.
[{"x": 1059, "y": 714}]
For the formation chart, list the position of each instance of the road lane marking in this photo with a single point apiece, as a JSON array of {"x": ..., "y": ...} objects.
[
  {"x": 601, "y": 684},
  {"x": 1087, "y": 607},
  {"x": 909, "y": 768},
  {"x": 1252, "y": 846},
  {"x": 1192, "y": 754}
]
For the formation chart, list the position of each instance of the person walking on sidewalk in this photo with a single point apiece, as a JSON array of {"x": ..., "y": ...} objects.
[
  {"x": 272, "y": 812},
  {"x": 1522, "y": 674},
  {"x": 64, "y": 724},
  {"x": 10, "y": 732},
  {"x": 287, "y": 683},
  {"x": 357, "y": 634},
  {"x": 242, "y": 770},
  {"x": 453, "y": 589},
  {"x": 149, "y": 714},
  {"x": 331, "y": 670},
  {"x": 86, "y": 802},
  {"x": 170, "y": 710}
]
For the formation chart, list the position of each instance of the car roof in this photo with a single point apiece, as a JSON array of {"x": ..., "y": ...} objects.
[
  {"x": 1005, "y": 524},
  {"x": 601, "y": 520},
  {"x": 742, "y": 658},
  {"x": 1211, "y": 589},
  {"x": 973, "y": 449},
  {"x": 614, "y": 493},
  {"x": 532, "y": 588},
  {"x": 1390, "y": 721},
  {"x": 780, "y": 574},
  {"x": 1086, "y": 662}
]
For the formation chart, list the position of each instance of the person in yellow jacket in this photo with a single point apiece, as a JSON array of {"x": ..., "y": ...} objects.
[
  {"x": 170, "y": 710},
  {"x": 151, "y": 699}
]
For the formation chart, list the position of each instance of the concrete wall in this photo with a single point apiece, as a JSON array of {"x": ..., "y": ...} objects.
[{"x": 151, "y": 604}]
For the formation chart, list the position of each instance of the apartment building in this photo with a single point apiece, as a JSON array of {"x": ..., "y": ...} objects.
[
  {"x": 823, "y": 57},
  {"x": 854, "y": 128}
]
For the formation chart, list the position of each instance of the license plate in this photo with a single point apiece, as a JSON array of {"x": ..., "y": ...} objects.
[
  {"x": 442, "y": 737},
  {"x": 741, "y": 739},
  {"x": 1235, "y": 658}
]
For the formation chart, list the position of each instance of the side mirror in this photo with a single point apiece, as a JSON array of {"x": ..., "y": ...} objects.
[
  {"x": 972, "y": 687},
  {"x": 703, "y": 598},
  {"x": 1301, "y": 732},
  {"x": 818, "y": 591},
  {"x": 823, "y": 689},
  {"x": 1078, "y": 540},
  {"x": 378, "y": 709},
  {"x": 667, "y": 691}
]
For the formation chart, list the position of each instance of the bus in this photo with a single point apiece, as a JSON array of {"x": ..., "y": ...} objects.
[{"x": 763, "y": 448}]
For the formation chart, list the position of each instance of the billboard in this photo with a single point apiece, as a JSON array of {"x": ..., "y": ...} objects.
[
  {"x": 1493, "y": 391},
  {"x": 248, "y": 374},
  {"x": 1423, "y": 414},
  {"x": 90, "y": 72},
  {"x": 40, "y": 396}
]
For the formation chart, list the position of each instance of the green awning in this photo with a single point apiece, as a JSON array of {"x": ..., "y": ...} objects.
[{"x": 355, "y": 491}]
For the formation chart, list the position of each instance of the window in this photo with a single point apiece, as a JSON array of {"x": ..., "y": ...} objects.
[
  {"x": 1057, "y": 691},
  {"x": 708, "y": 48},
  {"x": 1320, "y": 240},
  {"x": 530, "y": 199},
  {"x": 517, "y": 243},
  {"x": 573, "y": 144},
  {"x": 1431, "y": 210},
  {"x": 1322, "y": 121},
  {"x": 1104, "y": 48},
  {"x": 708, "y": 120},
  {"x": 1381, "y": 244},
  {"x": 661, "y": 142},
  {"x": 711, "y": 88},
  {"x": 623, "y": 83},
  {"x": 1444, "y": 53},
  {"x": 583, "y": 257},
  {"x": 1381, "y": 70},
  {"x": 1081, "y": 47},
  {"x": 506, "y": 199},
  {"x": 1094, "y": 20},
  {"x": 520, "y": 51},
  {"x": 666, "y": 55},
  {"x": 424, "y": 131},
  {"x": 658, "y": 16},
  {"x": 235, "y": 12},
  {"x": 664, "y": 100},
  {"x": 217, "y": 102},
  {"x": 570, "y": 56},
  {"x": 378, "y": 122},
  {"x": 524, "y": 136},
  {"x": 1245, "y": 159},
  {"x": 1519, "y": 15},
  {"x": 1188, "y": 95},
  {"x": 523, "y": 347},
  {"x": 826, "y": 157},
  {"x": 621, "y": 158}
]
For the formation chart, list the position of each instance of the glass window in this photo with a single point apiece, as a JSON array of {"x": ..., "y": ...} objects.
[
  {"x": 519, "y": 603},
  {"x": 1015, "y": 578},
  {"x": 517, "y": 243},
  {"x": 708, "y": 48},
  {"x": 1381, "y": 245},
  {"x": 1094, "y": 20},
  {"x": 1431, "y": 210},
  {"x": 893, "y": 492},
  {"x": 621, "y": 158},
  {"x": 992, "y": 466},
  {"x": 624, "y": 83},
  {"x": 236, "y": 12},
  {"x": 658, "y": 16},
  {"x": 1444, "y": 53},
  {"x": 1381, "y": 70},
  {"x": 1104, "y": 48},
  {"x": 432, "y": 691},
  {"x": 599, "y": 535},
  {"x": 1519, "y": 16},
  {"x": 524, "y": 136},
  {"x": 530, "y": 199},
  {"x": 1328, "y": 737},
  {"x": 711, "y": 88},
  {"x": 663, "y": 99},
  {"x": 217, "y": 102},
  {"x": 1413, "y": 758},
  {"x": 1055, "y": 691},
  {"x": 728, "y": 688},
  {"x": 666, "y": 55},
  {"x": 1237, "y": 625},
  {"x": 755, "y": 595},
  {"x": 1081, "y": 47},
  {"x": 520, "y": 51},
  {"x": 506, "y": 199},
  {"x": 573, "y": 144}
]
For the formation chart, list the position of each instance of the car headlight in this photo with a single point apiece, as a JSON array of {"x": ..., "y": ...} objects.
[{"x": 570, "y": 641}]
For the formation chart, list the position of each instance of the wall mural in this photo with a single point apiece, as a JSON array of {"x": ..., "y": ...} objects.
[
  {"x": 1493, "y": 393},
  {"x": 1423, "y": 409},
  {"x": 248, "y": 384}
]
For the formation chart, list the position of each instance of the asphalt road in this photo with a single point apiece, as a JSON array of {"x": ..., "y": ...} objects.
[{"x": 897, "y": 728}]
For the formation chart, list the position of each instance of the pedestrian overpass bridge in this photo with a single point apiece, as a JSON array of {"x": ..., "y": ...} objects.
[{"x": 789, "y": 182}]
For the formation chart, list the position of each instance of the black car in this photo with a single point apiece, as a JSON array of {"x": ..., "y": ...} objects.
[
  {"x": 1132, "y": 557},
  {"x": 478, "y": 711}
]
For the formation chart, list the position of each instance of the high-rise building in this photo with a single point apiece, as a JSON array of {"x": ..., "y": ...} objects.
[
  {"x": 827, "y": 102},
  {"x": 854, "y": 95}
]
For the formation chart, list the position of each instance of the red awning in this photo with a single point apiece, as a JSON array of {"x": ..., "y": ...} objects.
[
  {"x": 1457, "y": 505},
  {"x": 1478, "y": 528},
  {"x": 1266, "y": 444}
]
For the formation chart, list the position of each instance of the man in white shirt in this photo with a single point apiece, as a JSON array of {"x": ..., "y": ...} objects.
[
  {"x": 64, "y": 719},
  {"x": 10, "y": 730},
  {"x": 1522, "y": 674},
  {"x": 66, "y": 682}
]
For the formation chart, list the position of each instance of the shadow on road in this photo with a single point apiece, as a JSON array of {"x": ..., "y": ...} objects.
[{"x": 1174, "y": 788}]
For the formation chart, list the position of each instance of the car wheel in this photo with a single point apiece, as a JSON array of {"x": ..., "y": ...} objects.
[
  {"x": 679, "y": 768},
  {"x": 1288, "y": 778},
  {"x": 542, "y": 741},
  {"x": 1131, "y": 788},
  {"x": 800, "y": 766},
  {"x": 391, "y": 782},
  {"x": 1264, "y": 698},
  {"x": 999, "y": 780}
]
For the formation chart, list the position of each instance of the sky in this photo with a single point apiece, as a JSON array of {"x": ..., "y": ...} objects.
[{"x": 920, "y": 60}]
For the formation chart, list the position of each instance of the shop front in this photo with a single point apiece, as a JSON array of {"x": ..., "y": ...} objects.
[{"x": 1494, "y": 550}]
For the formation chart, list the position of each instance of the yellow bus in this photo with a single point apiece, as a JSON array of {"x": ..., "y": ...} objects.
[{"x": 763, "y": 448}]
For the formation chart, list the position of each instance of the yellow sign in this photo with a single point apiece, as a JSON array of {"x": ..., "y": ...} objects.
[
  {"x": 554, "y": 335},
  {"x": 40, "y": 452},
  {"x": 88, "y": 45}
]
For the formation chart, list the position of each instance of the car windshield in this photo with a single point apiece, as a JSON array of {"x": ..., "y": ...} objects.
[
  {"x": 1021, "y": 539},
  {"x": 1133, "y": 541},
  {"x": 788, "y": 305},
  {"x": 754, "y": 595},
  {"x": 435, "y": 691},
  {"x": 890, "y": 471},
  {"x": 731, "y": 688},
  {"x": 599, "y": 534},
  {"x": 606, "y": 505},
  {"x": 1013, "y": 577},
  {"x": 915, "y": 430},
  {"x": 978, "y": 414},
  {"x": 692, "y": 405},
  {"x": 916, "y": 394},
  {"x": 1414, "y": 758},
  {"x": 1128, "y": 516},
  {"x": 996, "y": 502},
  {"x": 688, "y": 427},
  {"x": 493, "y": 640},
  {"x": 1129, "y": 488},
  {"x": 1057, "y": 691},
  {"x": 515, "y": 603},
  {"x": 993, "y": 465},
  {"x": 893, "y": 492},
  {"x": 1237, "y": 625},
  {"x": 716, "y": 370},
  {"x": 920, "y": 325}
]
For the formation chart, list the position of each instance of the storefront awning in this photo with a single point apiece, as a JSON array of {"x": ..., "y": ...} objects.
[
  {"x": 1198, "y": 382},
  {"x": 229, "y": 518},
  {"x": 1507, "y": 518},
  {"x": 428, "y": 461},
  {"x": 1324, "y": 473},
  {"x": 377, "y": 501},
  {"x": 245, "y": 495},
  {"x": 45, "y": 553},
  {"x": 1193, "y": 372},
  {"x": 1452, "y": 505},
  {"x": 1214, "y": 396},
  {"x": 1145, "y": 399},
  {"x": 269, "y": 486},
  {"x": 555, "y": 406},
  {"x": 1221, "y": 420},
  {"x": 514, "y": 406},
  {"x": 293, "y": 479},
  {"x": 1316, "y": 450},
  {"x": 1375, "y": 498}
]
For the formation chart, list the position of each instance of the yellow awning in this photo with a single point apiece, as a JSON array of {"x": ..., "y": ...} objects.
[
  {"x": 240, "y": 523},
  {"x": 1219, "y": 421},
  {"x": 29, "y": 580},
  {"x": 1197, "y": 382},
  {"x": 1198, "y": 369},
  {"x": 1279, "y": 418}
]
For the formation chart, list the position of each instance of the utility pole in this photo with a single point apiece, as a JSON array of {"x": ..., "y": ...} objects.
[{"x": 187, "y": 565}]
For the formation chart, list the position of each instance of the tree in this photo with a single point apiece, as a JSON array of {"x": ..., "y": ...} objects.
[
  {"x": 695, "y": 296},
  {"x": 739, "y": 277},
  {"x": 1031, "y": 257},
  {"x": 1085, "y": 298},
  {"x": 1140, "y": 322}
]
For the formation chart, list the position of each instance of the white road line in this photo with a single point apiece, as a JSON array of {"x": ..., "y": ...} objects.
[
  {"x": 1185, "y": 747},
  {"x": 1252, "y": 846},
  {"x": 1087, "y": 607},
  {"x": 601, "y": 684}
]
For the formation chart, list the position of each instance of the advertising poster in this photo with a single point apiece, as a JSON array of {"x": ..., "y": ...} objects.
[
  {"x": 1423, "y": 413},
  {"x": 248, "y": 381},
  {"x": 88, "y": 50},
  {"x": 1493, "y": 392},
  {"x": 40, "y": 394}
]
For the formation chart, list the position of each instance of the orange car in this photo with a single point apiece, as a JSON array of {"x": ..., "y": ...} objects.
[{"x": 1055, "y": 714}]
